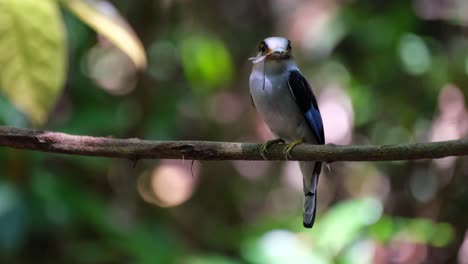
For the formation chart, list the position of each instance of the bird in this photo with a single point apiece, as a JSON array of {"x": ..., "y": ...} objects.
[{"x": 285, "y": 101}]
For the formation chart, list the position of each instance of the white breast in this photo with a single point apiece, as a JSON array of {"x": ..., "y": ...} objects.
[{"x": 274, "y": 102}]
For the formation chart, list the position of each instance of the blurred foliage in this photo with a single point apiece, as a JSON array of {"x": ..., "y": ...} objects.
[
  {"x": 106, "y": 20},
  {"x": 384, "y": 72},
  {"x": 32, "y": 55},
  {"x": 33, "y": 48},
  {"x": 206, "y": 62}
]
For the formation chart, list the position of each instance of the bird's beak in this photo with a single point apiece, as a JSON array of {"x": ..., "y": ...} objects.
[{"x": 278, "y": 54}]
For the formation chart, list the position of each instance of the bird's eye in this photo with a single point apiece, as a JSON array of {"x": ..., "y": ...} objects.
[
  {"x": 262, "y": 47},
  {"x": 289, "y": 48}
]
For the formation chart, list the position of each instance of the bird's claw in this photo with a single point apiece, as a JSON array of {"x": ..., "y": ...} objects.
[
  {"x": 264, "y": 147},
  {"x": 287, "y": 150}
]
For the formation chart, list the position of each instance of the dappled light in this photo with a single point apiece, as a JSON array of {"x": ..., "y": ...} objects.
[
  {"x": 280, "y": 246},
  {"x": 451, "y": 121},
  {"x": 338, "y": 115},
  {"x": 450, "y": 10},
  {"x": 414, "y": 54},
  {"x": 368, "y": 182},
  {"x": 309, "y": 24},
  {"x": 463, "y": 253},
  {"x": 225, "y": 107},
  {"x": 423, "y": 185}
]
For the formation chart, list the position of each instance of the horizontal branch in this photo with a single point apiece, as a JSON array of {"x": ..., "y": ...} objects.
[{"x": 135, "y": 149}]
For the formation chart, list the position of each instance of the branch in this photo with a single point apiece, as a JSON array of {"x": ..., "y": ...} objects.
[{"x": 135, "y": 149}]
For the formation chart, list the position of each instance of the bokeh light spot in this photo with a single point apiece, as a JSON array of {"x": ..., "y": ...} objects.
[
  {"x": 443, "y": 235},
  {"x": 207, "y": 62},
  {"x": 281, "y": 246},
  {"x": 423, "y": 185},
  {"x": 451, "y": 122},
  {"x": 337, "y": 114},
  {"x": 414, "y": 54},
  {"x": 112, "y": 69},
  {"x": 168, "y": 185},
  {"x": 463, "y": 251},
  {"x": 225, "y": 107}
]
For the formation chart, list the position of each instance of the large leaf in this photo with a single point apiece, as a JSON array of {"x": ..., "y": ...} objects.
[
  {"x": 105, "y": 19},
  {"x": 32, "y": 55}
]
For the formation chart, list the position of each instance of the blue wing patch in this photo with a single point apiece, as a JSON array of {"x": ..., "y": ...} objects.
[{"x": 305, "y": 99}]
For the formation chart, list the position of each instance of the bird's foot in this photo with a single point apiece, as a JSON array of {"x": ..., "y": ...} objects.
[
  {"x": 287, "y": 150},
  {"x": 264, "y": 147}
]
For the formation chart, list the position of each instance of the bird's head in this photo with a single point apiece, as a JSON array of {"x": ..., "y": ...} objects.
[{"x": 273, "y": 48}]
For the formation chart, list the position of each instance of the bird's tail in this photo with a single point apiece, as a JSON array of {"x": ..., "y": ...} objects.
[{"x": 310, "y": 175}]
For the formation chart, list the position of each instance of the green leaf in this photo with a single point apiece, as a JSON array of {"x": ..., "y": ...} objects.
[
  {"x": 32, "y": 55},
  {"x": 105, "y": 19}
]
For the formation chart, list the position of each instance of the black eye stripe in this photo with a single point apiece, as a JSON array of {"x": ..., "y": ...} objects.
[{"x": 262, "y": 47}]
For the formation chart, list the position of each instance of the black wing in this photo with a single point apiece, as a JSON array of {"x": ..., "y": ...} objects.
[
  {"x": 305, "y": 100},
  {"x": 251, "y": 101}
]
